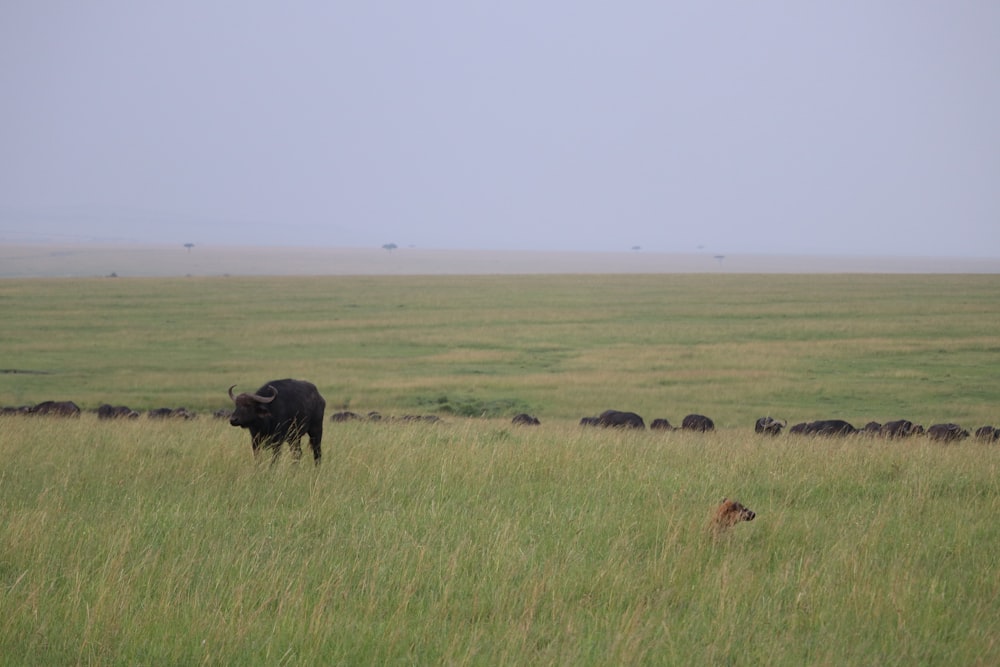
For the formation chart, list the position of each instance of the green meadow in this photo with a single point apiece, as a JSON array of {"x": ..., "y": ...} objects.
[{"x": 475, "y": 542}]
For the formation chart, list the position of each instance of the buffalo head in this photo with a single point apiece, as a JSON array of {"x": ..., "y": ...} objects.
[{"x": 250, "y": 407}]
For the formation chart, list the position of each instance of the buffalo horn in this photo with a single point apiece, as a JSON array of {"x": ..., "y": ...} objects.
[
  {"x": 265, "y": 399},
  {"x": 256, "y": 397}
]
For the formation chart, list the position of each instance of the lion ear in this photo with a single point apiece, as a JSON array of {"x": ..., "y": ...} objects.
[{"x": 724, "y": 500}]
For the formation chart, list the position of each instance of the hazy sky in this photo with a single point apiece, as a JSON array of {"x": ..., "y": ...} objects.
[{"x": 730, "y": 126}]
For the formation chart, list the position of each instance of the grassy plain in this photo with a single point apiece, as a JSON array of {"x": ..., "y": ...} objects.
[
  {"x": 475, "y": 542},
  {"x": 732, "y": 347}
]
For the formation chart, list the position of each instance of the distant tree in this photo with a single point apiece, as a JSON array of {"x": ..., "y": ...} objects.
[
  {"x": 390, "y": 246},
  {"x": 636, "y": 247},
  {"x": 189, "y": 246},
  {"x": 719, "y": 259}
]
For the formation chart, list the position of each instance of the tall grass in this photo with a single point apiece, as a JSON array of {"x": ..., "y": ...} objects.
[{"x": 475, "y": 542}]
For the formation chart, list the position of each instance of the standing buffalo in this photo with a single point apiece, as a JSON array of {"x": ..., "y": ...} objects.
[
  {"x": 769, "y": 426},
  {"x": 699, "y": 423},
  {"x": 281, "y": 411}
]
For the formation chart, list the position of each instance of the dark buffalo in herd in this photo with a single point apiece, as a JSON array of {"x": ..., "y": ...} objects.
[
  {"x": 769, "y": 426},
  {"x": 524, "y": 419},
  {"x": 824, "y": 427},
  {"x": 108, "y": 411},
  {"x": 988, "y": 433},
  {"x": 620, "y": 419},
  {"x": 58, "y": 408},
  {"x": 624, "y": 419},
  {"x": 947, "y": 432},
  {"x": 281, "y": 411},
  {"x": 699, "y": 423}
]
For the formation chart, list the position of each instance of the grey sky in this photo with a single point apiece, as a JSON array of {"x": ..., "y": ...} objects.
[{"x": 838, "y": 127}]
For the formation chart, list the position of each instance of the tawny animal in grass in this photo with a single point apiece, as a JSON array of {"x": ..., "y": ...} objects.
[{"x": 729, "y": 513}]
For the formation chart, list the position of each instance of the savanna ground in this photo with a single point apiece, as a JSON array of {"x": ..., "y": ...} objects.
[{"x": 472, "y": 541}]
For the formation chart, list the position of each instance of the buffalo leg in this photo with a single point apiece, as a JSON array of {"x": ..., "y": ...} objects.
[
  {"x": 296, "y": 447},
  {"x": 314, "y": 442}
]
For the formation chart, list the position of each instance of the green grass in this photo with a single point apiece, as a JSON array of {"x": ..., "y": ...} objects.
[
  {"x": 733, "y": 347},
  {"x": 475, "y": 542}
]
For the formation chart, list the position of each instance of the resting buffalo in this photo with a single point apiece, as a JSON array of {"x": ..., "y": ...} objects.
[
  {"x": 58, "y": 408},
  {"x": 660, "y": 424},
  {"x": 988, "y": 433},
  {"x": 620, "y": 419},
  {"x": 947, "y": 432},
  {"x": 901, "y": 428},
  {"x": 769, "y": 426},
  {"x": 699, "y": 423},
  {"x": 281, "y": 411},
  {"x": 525, "y": 419},
  {"x": 825, "y": 427},
  {"x": 107, "y": 411}
]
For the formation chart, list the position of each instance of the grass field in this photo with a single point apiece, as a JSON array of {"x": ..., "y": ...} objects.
[
  {"x": 472, "y": 541},
  {"x": 732, "y": 347}
]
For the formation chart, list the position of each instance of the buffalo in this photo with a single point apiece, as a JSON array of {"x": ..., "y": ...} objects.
[
  {"x": 525, "y": 419},
  {"x": 699, "y": 423},
  {"x": 769, "y": 426},
  {"x": 57, "y": 408},
  {"x": 824, "y": 427},
  {"x": 947, "y": 432},
  {"x": 901, "y": 428},
  {"x": 281, "y": 411},
  {"x": 620, "y": 419},
  {"x": 108, "y": 411},
  {"x": 344, "y": 416},
  {"x": 988, "y": 433},
  {"x": 661, "y": 424}
]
